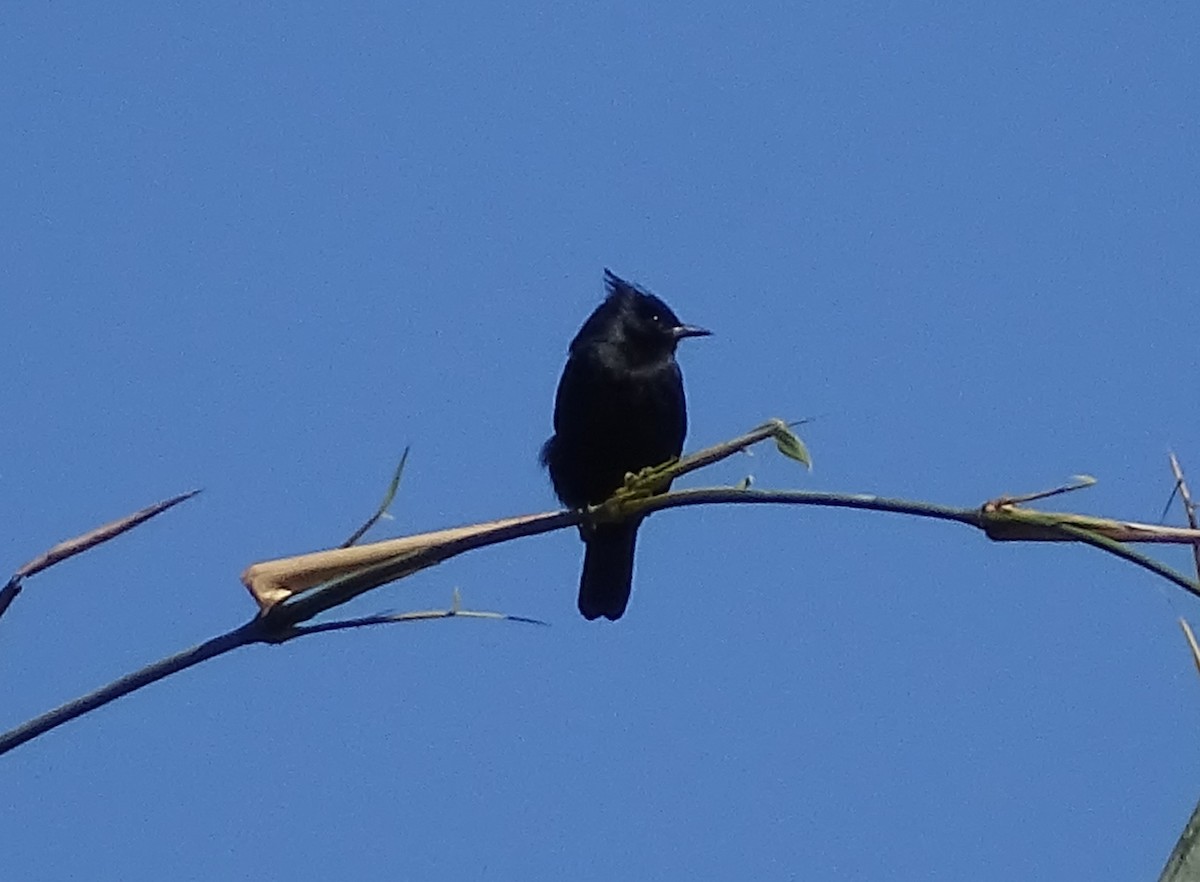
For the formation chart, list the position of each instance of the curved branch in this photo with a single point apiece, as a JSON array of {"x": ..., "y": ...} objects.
[
  {"x": 972, "y": 517},
  {"x": 293, "y": 590},
  {"x": 257, "y": 630},
  {"x": 227, "y": 642}
]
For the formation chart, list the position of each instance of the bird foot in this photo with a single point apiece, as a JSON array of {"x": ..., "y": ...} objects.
[
  {"x": 638, "y": 485},
  {"x": 646, "y": 482}
]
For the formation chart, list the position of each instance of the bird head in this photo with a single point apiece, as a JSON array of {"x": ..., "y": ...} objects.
[{"x": 646, "y": 326}]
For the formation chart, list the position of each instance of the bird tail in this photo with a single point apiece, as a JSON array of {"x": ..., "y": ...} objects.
[{"x": 607, "y": 571}]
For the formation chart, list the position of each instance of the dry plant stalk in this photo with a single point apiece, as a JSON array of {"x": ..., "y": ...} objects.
[{"x": 273, "y": 581}]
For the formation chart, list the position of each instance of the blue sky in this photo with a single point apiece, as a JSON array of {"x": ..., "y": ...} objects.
[{"x": 261, "y": 250}]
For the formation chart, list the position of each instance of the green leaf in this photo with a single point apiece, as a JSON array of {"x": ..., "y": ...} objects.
[{"x": 791, "y": 446}]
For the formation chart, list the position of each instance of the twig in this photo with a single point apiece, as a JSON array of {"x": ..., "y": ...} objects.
[
  {"x": 1192, "y": 645},
  {"x": 1124, "y": 552},
  {"x": 1080, "y": 482},
  {"x": 1188, "y": 506},
  {"x": 231, "y": 640},
  {"x": 775, "y": 428},
  {"x": 255, "y": 631},
  {"x": 388, "y": 497},
  {"x": 92, "y": 538},
  {"x": 415, "y": 616},
  {"x": 84, "y": 542},
  {"x": 9, "y": 593}
]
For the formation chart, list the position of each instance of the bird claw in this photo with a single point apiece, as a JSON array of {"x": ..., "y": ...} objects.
[
  {"x": 638, "y": 485},
  {"x": 645, "y": 482}
]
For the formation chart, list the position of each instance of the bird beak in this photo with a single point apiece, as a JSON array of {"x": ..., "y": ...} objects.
[{"x": 690, "y": 331}]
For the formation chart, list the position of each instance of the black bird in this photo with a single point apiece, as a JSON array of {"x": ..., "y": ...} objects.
[{"x": 620, "y": 408}]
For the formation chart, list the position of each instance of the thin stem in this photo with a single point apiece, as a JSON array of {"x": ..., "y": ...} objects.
[
  {"x": 862, "y": 501},
  {"x": 84, "y": 542},
  {"x": 1124, "y": 552},
  {"x": 251, "y": 632},
  {"x": 1189, "y": 507}
]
